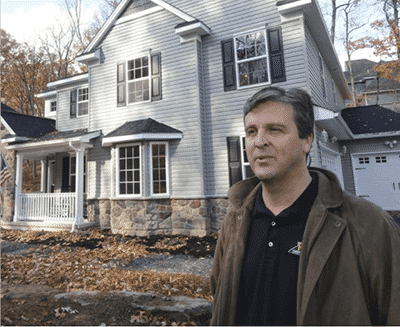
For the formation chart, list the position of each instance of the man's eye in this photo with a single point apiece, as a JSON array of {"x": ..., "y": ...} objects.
[
  {"x": 251, "y": 132},
  {"x": 276, "y": 129}
]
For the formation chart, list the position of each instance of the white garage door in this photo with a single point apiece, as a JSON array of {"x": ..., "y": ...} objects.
[{"x": 377, "y": 179}]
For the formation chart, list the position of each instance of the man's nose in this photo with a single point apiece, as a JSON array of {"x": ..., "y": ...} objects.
[{"x": 261, "y": 139}]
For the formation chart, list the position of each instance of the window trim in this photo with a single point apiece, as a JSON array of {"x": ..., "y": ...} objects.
[
  {"x": 117, "y": 181},
  {"x": 237, "y": 62},
  {"x": 167, "y": 175}
]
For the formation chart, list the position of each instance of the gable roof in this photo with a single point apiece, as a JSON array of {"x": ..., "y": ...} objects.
[
  {"x": 371, "y": 119},
  {"x": 25, "y": 126},
  {"x": 120, "y": 9},
  {"x": 144, "y": 129}
]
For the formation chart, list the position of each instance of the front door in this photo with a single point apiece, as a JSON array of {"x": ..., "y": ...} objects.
[{"x": 65, "y": 187}]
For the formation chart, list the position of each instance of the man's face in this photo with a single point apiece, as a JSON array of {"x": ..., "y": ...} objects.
[{"x": 273, "y": 146}]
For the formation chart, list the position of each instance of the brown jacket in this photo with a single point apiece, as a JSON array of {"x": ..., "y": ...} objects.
[{"x": 349, "y": 271}]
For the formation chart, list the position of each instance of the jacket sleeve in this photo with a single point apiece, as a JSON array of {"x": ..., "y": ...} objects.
[
  {"x": 217, "y": 261},
  {"x": 382, "y": 257}
]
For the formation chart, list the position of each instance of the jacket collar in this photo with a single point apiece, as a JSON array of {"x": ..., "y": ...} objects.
[{"x": 329, "y": 191}]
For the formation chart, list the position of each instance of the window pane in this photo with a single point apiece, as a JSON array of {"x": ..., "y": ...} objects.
[
  {"x": 154, "y": 149},
  {"x": 145, "y": 71},
  {"x": 83, "y": 109},
  {"x": 145, "y": 61},
  {"x": 146, "y": 96},
  {"x": 129, "y": 189},
  {"x": 129, "y": 176},
  {"x": 163, "y": 187},
  {"x": 136, "y": 164},
  {"x": 162, "y": 149},
  {"x": 251, "y": 52},
  {"x": 130, "y": 65},
  {"x": 156, "y": 175},
  {"x": 136, "y": 174},
  {"x": 122, "y": 176},
  {"x": 156, "y": 188},
  {"x": 122, "y": 188},
  {"x": 136, "y": 151},
  {"x": 261, "y": 51},
  {"x": 138, "y": 73},
  {"x": 162, "y": 162},
  {"x": 138, "y": 63},
  {"x": 129, "y": 164},
  {"x": 163, "y": 175},
  {"x": 258, "y": 71},
  {"x": 122, "y": 152},
  {"x": 131, "y": 74},
  {"x": 129, "y": 152},
  {"x": 137, "y": 188},
  {"x": 155, "y": 162},
  {"x": 122, "y": 164},
  {"x": 243, "y": 74}
]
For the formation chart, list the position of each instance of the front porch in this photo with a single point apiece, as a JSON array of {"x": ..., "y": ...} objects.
[{"x": 60, "y": 204}]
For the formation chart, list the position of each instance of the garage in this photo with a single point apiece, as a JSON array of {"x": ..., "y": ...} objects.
[{"x": 377, "y": 178}]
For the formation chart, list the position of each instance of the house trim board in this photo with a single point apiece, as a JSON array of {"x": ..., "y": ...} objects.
[
  {"x": 113, "y": 18},
  {"x": 108, "y": 141},
  {"x": 138, "y": 15},
  {"x": 48, "y": 94},
  {"x": 73, "y": 79}
]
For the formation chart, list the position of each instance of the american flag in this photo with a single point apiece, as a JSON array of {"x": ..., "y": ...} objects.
[{"x": 5, "y": 172}]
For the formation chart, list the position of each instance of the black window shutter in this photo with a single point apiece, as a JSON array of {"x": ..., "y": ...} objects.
[
  {"x": 156, "y": 77},
  {"x": 72, "y": 105},
  {"x": 228, "y": 65},
  {"x": 121, "y": 85},
  {"x": 276, "y": 58},
  {"x": 235, "y": 163}
]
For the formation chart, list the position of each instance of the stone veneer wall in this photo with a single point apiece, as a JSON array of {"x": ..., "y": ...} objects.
[{"x": 197, "y": 217}]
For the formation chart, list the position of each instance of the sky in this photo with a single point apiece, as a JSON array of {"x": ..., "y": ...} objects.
[{"x": 25, "y": 20}]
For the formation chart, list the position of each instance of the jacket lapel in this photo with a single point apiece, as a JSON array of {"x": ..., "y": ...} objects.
[{"x": 322, "y": 233}]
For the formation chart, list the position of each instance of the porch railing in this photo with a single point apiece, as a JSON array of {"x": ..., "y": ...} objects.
[{"x": 47, "y": 206}]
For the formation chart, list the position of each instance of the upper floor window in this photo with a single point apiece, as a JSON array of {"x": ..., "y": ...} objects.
[
  {"x": 79, "y": 102},
  {"x": 53, "y": 106},
  {"x": 253, "y": 58},
  {"x": 140, "y": 81}
]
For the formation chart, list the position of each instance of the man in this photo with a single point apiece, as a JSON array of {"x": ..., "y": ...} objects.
[{"x": 294, "y": 247}]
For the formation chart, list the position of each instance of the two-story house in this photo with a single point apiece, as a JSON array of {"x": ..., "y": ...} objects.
[{"x": 150, "y": 139}]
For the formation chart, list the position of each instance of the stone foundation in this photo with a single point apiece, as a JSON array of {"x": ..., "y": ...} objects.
[{"x": 196, "y": 217}]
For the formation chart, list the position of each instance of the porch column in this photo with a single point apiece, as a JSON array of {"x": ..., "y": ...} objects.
[
  {"x": 43, "y": 176},
  {"x": 79, "y": 184},
  {"x": 18, "y": 184}
]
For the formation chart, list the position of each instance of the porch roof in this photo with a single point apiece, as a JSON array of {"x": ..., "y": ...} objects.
[
  {"x": 143, "y": 129},
  {"x": 55, "y": 142},
  {"x": 21, "y": 126}
]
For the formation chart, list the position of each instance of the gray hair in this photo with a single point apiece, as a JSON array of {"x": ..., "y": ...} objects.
[{"x": 298, "y": 98}]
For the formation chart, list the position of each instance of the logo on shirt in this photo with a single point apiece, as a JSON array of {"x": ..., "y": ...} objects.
[{"x": 296, "y": 249}]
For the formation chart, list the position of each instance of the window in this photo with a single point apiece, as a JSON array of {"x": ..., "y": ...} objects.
[
  {"x": 363, "y": 160},
  {"x": 381, "y": 159},
  {"x": 253, "y": 58},
  {"x": 141, "y": 82},
  {"x": 129, "y": 170},
  {"x": 79, "y": 102},
  {"x": 159, "y": 169},
  {"x": 322, "y": 71},
  {"x": 83, "y": 101},
  {"x": 72, "y": 173},
  {"x": 247, "y": 172},
  {"x": 53, "y": 106}
]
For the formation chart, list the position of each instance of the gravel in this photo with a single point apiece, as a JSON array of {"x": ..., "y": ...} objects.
[{"x": 184, "y": 264}]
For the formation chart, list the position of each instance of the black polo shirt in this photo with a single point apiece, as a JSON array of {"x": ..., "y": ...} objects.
[{"x": 267, "y": 292}]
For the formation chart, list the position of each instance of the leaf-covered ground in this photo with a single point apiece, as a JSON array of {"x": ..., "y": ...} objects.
[{"x": 96, "y": 260}]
